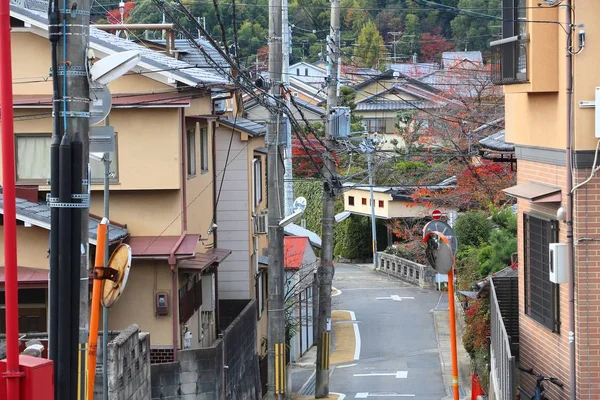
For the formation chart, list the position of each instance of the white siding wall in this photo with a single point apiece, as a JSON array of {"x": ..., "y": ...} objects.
[{"x": 232, "y": 216}]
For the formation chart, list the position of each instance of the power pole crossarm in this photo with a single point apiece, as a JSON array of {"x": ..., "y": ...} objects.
[{"x": 326, "y": 269}]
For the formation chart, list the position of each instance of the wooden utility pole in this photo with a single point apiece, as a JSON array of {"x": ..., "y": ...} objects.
[
  {"x": 326, "y": 269},
  {"x": 275, "y": 139}
]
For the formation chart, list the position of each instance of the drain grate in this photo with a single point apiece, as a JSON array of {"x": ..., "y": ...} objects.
[
  {"x": 310, "y": 386},
  {"x": 461, "y": 391}
]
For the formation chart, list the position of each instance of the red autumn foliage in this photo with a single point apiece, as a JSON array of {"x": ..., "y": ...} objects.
[
  {"x": 433, "y": 45},
  {"x": 307, "y": 156},
  {"x": 114, "y": 16}
]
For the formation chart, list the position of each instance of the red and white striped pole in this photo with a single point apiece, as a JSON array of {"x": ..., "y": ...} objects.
[{"x": 12, "y": 374}]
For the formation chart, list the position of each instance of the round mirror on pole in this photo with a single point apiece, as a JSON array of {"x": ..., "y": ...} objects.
[{"x": 121, "y": 262}]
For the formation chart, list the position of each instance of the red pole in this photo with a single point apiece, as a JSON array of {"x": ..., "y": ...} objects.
[
  {"x": 453, "y": 333},
  {"x": 12, "y": 374}
]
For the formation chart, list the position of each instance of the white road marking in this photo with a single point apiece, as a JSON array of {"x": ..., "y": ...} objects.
[
  {"x": 346, "y": 366},
  {"x": 341, "y": 396},
  {"x": 395, "y": 297},
  {"x": 397, "y": 374},
  {"x": 364, "y": 395},
  {"x": 337, "y": 291},
  {"x": 356, "y": 336}
]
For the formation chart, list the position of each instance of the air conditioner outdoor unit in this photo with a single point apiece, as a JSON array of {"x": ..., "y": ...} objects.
[{"x": 260, "y": 224}]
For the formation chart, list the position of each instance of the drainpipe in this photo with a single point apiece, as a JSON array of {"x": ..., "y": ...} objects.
[
  {"x": 183, "y": 173},
  {"x": 173, "y": 264},
  {"x": 570, "y": 194},
  {"x": 214, "y": 168}
]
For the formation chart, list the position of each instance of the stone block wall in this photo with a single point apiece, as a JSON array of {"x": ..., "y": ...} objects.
[{"x": 128, "y": 365}]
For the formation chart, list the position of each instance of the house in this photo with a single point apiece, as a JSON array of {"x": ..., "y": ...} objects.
[
  {"x": 300, "y": 263},
  {"x": 162, "y": 186},
  {"x": 557, "y": 328},
  {"x": 386, "y": 102},
  {"x": 392, "y": 202},
  {"x": 241, "y": 198},
  {"x": 257, "y": 112}
]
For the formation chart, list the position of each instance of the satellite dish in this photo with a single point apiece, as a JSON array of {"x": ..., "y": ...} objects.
[
  {"x": 114, "y": 66},
  {"x": 121, "y": 262},
  {"x": 299, "y": 204},
  {"x": 101, "y": 103}
]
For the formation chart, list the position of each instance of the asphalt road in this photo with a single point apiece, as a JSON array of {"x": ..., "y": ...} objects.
[{"x": 398, "y": 350}]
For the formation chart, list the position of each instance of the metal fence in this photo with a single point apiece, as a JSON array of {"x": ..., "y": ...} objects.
[{"x": 503, "y": 364}]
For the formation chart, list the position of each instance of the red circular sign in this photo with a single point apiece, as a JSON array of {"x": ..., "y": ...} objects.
[{"x": 436, "y": 214}]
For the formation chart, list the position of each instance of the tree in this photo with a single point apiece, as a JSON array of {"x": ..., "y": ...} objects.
[
  {"x": 473, "y": 30},
  {"x": 433, "y": 45},
  {"x": 409, "y": 43},
  {"x": 251, "y": 37},
  {"x": 369, "y": 46},
  {"x": 473, "y": 229}
]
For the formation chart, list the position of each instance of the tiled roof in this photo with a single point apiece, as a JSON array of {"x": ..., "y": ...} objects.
[
  {"x": 393, "y": 105},
  {"x": 450, "y": 58},
  {"x": 193, "y": 56},
  {"x": 245, "y": 125},
  {"x": 38, "y": 214},
  {"x": 497, "y": 142},
  {"x": 293, "y": 251},
  {"x": 297, "y": 230},
  {"x": 415, "y": 70},
  {"x": 36, "y": 11}
]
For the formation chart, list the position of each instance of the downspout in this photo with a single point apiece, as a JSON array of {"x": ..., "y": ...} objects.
[
  {"x": 173, "y": 264},
  {"x": 214, "y": 231},
  {"x": 183, "y": 173},
  {"x": 569, "y": 220}
]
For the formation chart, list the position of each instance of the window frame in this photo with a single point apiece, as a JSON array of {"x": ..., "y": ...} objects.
[
  {"x": 548, "y": 234},
  {"x": 363, "y": 201},
  {"x": 39, "y": 181},
  {"x": 204, "y": 154},
  {"x": 380, "y": 204},
  {"x": 191, "y": 156},
  {"x": 351, "y": 200}
]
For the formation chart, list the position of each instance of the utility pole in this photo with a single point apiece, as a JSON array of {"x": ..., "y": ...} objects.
[
  {"x": 288, "y": 175},
  {"x": 275, "y": 140},
  {"x": 370, "y": 150},
  {"x": 395, "y": 41},
  {"x": 69, "y": 197},
  {"x": 326, "y": 269}
]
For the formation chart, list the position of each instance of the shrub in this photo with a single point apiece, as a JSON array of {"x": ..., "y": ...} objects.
[{"x": 473, "y": 228}]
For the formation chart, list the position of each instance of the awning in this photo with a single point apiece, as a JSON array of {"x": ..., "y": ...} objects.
[
  {"x": 198, "y": 264},
  {"x": 535, "y": 192},
  {"x": 160, "y": 247},
  {"x": 28, "y": 278},
  {"x": 204, "y": 261},
  {"x": 221, "y": 254},
  {"x": 121, "y": 100}
]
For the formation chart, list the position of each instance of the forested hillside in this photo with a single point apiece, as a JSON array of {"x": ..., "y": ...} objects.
[{"x": 377, "y": 30}]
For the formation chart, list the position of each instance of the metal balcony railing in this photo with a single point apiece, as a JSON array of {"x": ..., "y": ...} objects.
[{"x": 509, "y": 60}]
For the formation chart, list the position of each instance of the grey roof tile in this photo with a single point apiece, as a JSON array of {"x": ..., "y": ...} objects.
[
  {"x": 243, "y": 124},
  {"x": 497, "y": 142},
  {"x": 393, "y": 105},
  {"x": 179, "y": 70}
]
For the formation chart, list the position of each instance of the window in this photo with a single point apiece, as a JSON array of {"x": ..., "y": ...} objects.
[
  {"x": 204, "y": 150},
  {"x": 305, "y": 71},
  {"x": 541, "y": 295},
  {"x": 33, "y": 158},
  {"x": 32, "y": 311},
  {"x": 364, "y": 201},
  {"x": 350, "y": 200},
  {"x": 257, "y": 180},
  {"x": 297, "y": 71},
  {"x": 509, "y": 54},
  {"x": 374, "y": 124},
  {"x": 380, "y": 203},
  {"x": 191, "y": 152},
  {"x": 260, "y": 293}
]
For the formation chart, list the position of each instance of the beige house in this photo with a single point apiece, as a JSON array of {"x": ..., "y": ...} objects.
[
  {"x": 530, "y": 61},
  {"x": 162, "y": 195}
]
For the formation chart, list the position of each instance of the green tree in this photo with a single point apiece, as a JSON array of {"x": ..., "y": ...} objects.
[
  {"x": 409, "y": 43},
  {"x": 251, "y": 36},
  {"x": 473, "y": 228},
  {"x": 473, "y": 30},
  {"x": 369, "y": 46}
]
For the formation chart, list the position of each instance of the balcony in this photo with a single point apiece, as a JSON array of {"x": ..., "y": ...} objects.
[{"x": 509, "y": 60}]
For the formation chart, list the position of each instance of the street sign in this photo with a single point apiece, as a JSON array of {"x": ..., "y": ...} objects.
[{"x": 436, "y": 214}]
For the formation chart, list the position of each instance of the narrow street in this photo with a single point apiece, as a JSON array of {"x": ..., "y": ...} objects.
[{"x": 397, "y": 351}]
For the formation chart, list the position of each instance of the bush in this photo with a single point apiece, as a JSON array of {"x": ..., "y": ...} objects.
[
  {"x": 473, "y": 228},
  {"x": 354, "y": 241},
  {"x": 412, "y": 251}
]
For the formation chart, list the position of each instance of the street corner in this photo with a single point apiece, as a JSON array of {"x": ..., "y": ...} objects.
[
  {"x": 347, "y": 337},
  {"x": 335, "y": 292},
  {"x": 332, "y": 396}
]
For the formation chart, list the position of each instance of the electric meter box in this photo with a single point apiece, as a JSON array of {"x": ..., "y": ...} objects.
[{"x": 558, "y": 263}]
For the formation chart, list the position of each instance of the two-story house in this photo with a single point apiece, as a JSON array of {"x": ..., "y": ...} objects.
[
  {"x": 161, "y": 188},
  {"x": 547, "y": 61}
]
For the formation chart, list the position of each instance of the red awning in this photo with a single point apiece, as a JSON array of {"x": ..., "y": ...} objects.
[
  {"x": 160, "y": 247},
  {"x": 203, "y": 261},
  {"x": 221, "y": 254},
  {"x": 28, "y": 278}
]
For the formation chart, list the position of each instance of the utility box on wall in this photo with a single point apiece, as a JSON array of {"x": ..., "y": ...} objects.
[{"x": 558, "y": 263}]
